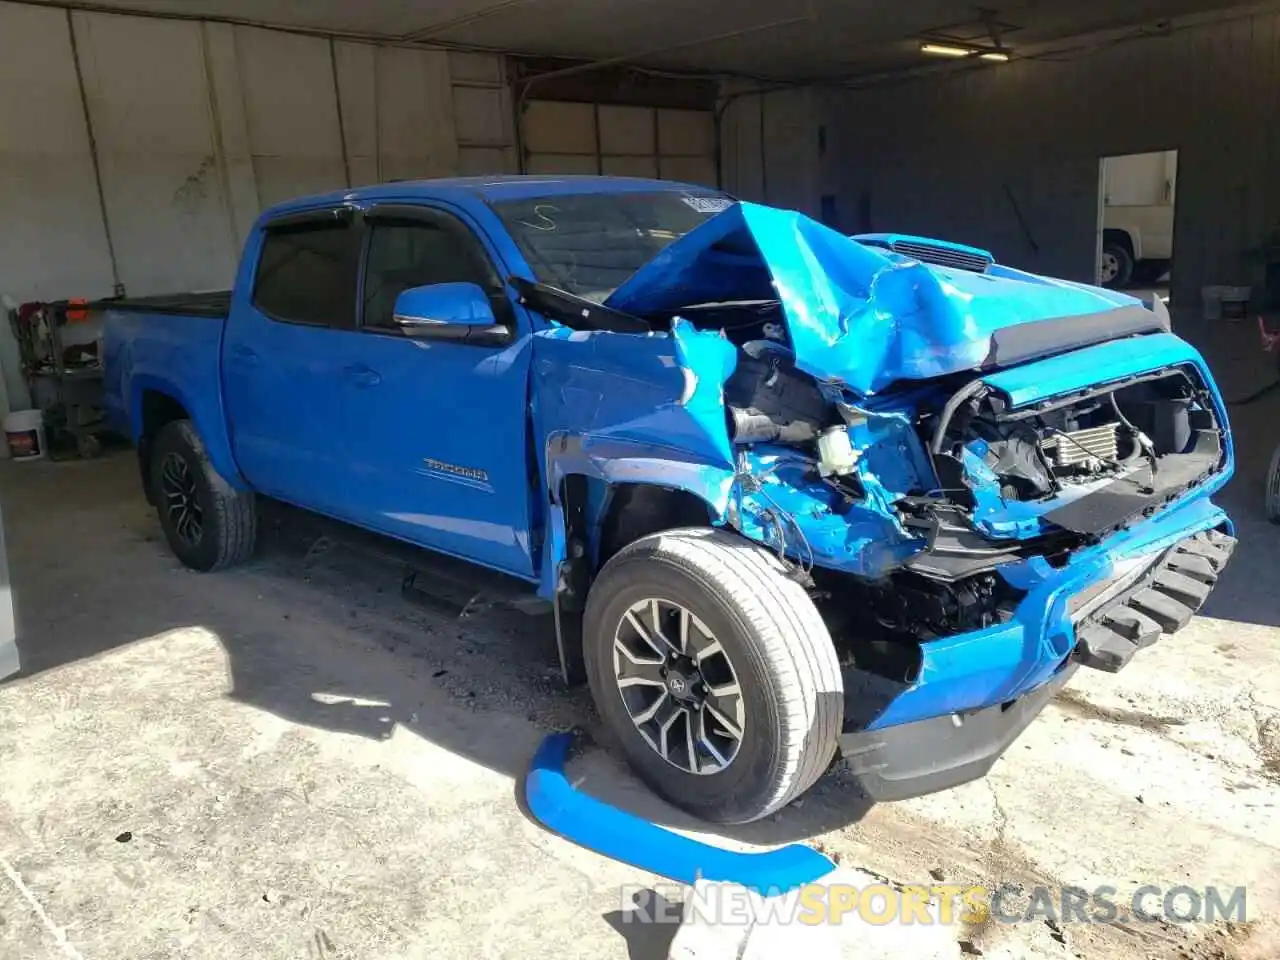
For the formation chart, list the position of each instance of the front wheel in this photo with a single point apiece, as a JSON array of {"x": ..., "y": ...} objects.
[
  {"x": 208, "y": 524},
  {"x": 714, "y": 672}
]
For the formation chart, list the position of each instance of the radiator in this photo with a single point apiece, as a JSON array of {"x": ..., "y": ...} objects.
[{"x": 1069, "y": 449}]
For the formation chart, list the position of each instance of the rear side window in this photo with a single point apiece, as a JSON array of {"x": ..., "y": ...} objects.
[{"x": 307, "y": 274}]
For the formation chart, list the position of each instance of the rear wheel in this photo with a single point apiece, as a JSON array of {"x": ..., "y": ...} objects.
[
  {"x": 714, "y": 672},
  {"x": 208, "y": 524},
  {"x": 1116, "y": 268}
]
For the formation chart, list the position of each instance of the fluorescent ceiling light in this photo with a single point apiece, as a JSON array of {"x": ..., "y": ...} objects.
[
  {"x": 945, "y": 50},
  {"x": 995, "y": 57}
]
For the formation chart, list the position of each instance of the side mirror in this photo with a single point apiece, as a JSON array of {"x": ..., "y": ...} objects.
[{"x": 448, "y": 311}]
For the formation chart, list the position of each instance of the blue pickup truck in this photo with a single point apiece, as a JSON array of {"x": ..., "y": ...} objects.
[{"x": 794, "y": 496}]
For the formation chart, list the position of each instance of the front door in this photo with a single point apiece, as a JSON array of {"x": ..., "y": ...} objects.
[{"x": 437, "y": 434}]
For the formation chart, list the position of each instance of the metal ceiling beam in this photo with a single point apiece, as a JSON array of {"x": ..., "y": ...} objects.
[
  {"x": 443, "y": 26},
  {"x": 631, "y": 58}
]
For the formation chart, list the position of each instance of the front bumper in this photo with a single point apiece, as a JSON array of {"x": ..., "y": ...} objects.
[
  {"x": 913, "y": 759},
  {"x": 976, "y": 692},
  {"x": 1161, "y": 598}
]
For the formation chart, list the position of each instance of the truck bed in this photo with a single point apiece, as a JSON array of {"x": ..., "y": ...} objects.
[
  {"x": 215, "y": 304},
  {"x": 155, "y": 341}
]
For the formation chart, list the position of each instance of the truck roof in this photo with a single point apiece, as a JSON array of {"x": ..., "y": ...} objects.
[{"x": 465, "y": 190}]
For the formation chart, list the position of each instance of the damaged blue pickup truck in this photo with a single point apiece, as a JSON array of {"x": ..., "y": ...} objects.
[{"x": 794, "y": 496}]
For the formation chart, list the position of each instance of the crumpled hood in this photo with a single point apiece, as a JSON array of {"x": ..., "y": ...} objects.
[{"x": 856, "y": 315}]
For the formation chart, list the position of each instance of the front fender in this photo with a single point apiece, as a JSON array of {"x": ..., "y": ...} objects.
[
  {"x": 608, "y": 462},
  {"x": 630, "y": 409},
  {"x": 621, "y": 462}
]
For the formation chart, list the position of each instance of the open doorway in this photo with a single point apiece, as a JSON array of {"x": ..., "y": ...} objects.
[{"x": 1136, "y": 197}]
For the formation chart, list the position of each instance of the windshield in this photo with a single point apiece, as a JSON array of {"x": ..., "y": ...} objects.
[{"x": 587, "y": 244}]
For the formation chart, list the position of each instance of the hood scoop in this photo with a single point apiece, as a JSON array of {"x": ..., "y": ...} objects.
[{"x": 954, "y": 256}]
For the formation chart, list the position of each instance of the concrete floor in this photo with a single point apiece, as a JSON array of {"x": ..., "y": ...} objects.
[{"x": 287, "y": 760}]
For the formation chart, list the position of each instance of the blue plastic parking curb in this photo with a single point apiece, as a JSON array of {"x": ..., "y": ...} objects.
[{"x": 614, "y": 833}]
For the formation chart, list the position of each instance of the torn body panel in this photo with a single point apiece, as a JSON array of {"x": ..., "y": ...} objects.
[
  {"x": 781, "y": 504},
  {"x": 861, "y": 316},
  {"x": 738, "y": 426},
  {"x": 651, "y": 409},
  {"x": 630, "y": 409},
  {"x": 946, "y": 456}
]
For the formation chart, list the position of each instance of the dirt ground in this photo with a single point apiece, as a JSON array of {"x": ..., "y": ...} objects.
[{"x": 289, "y": 760}]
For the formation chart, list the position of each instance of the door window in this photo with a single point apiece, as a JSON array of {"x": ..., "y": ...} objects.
[
  {"x": 416, "y": 253},
  {"x": 307, "y": 274}
]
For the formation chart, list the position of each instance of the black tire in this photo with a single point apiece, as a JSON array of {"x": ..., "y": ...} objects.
[
  {"x": 785, "y": 663},
  {"x": 1123, "y": 260},
  {"x": 1272, "y": 501},
  {"x": 228, "y": 528}
]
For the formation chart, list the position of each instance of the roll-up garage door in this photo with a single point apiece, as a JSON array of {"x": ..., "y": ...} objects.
[{"x": 627, "y": 141}]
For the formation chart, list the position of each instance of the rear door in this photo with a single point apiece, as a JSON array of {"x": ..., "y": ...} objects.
[
  {"x": 437, "y": 433},
  {"x": 285, "y": 360}
]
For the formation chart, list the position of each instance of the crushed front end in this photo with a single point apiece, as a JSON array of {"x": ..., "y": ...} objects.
[
  {"x": 1015, "y": 484},
  {"x": 984, "y": 478},
  {"x": 974, "y": 539},
  {"x": 970, "y": 541}
]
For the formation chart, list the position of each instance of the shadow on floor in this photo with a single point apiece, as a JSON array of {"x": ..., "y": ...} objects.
[
  {"x": 307, "y": 626},
  {"x": 648, "y": 926}
]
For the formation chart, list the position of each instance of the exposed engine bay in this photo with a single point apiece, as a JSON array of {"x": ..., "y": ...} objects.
[
  {"x": 1044, "y": 450},
  {"x": 973, "y": 480},
  {"x": 925, "y": 489},
  {"x": 1156, "y": 432}
]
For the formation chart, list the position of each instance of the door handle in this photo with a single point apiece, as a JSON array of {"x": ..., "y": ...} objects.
[
  {"x": 244, "y": 355},
  {"x": 363, "y": 376}
]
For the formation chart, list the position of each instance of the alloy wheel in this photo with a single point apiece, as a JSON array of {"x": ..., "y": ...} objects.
[
  {"x": 1110, "y": 267},
  {"x": 678, "y": 686},
  {"x": 181, "y": 502}
]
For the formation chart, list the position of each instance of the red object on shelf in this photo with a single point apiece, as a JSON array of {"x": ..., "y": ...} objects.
[{"x": 77, "y": 310}]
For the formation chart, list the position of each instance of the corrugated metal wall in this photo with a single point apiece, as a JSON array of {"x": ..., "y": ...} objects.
[
  {"x": 619, "y": 140},
  {"x": 1007, "y": 157},
  {"x": 47, "y": 180},
  {"x": 195, "y": 127},
  {"x": 771, "y": 148}
]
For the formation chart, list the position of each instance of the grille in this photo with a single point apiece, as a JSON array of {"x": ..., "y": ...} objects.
[
  {"x": 941, "y": 256},
  {"x": 1070, "y": 449}
]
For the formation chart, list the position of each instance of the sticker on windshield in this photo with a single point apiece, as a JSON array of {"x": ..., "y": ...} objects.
[{"x": 708, "y": 204}]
